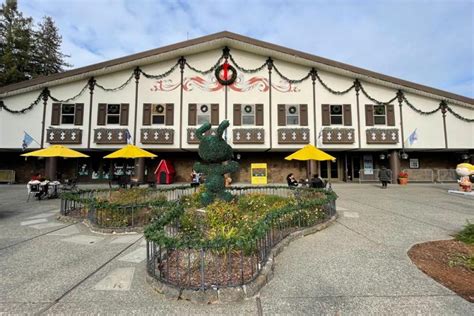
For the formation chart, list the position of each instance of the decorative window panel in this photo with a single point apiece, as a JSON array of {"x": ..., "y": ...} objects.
[
  {"x": 338, "y": 136},
  {"x": 248, "y": 136},
  {"x": 382, "y": 136},
  {"x": 293, "y": 136},
  {"x": 110, "y": 136},
  {"x": 64, "y": 136},
  {"x": 157, "y": 136}
]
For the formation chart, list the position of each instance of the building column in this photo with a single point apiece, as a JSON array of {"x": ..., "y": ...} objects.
[
  {"x": 394, "y": 165},
  {"x": 140, "y": 169},
  {"x": 51, "y": 168}
]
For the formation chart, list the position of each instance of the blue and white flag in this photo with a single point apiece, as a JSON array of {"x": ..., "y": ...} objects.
[
  {"x": 27, "y": 140},
  {"x": 128, "y": 136},
  {"x": 413, "y": 138}
]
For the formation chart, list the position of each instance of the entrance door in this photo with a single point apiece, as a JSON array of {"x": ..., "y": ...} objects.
[{"x": 331, "y": 170}]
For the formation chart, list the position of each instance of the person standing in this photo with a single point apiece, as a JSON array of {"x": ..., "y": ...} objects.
[{"x": 385, "y": 176}]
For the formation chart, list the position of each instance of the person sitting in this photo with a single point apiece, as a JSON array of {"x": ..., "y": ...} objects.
[
  {"x": 317, "y": 182},
  {"x": 195, "y": 178},
  {"x": 37, "y": 177},
  {"x": 227, "y": 180},
  {"x": 290, "y": 179}
]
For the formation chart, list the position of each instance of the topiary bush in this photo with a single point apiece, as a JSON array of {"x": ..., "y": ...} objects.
[{"x": 214, "y": 151}]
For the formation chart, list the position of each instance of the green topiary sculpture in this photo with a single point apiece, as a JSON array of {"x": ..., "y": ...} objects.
[{"x": 214, "y": 150}]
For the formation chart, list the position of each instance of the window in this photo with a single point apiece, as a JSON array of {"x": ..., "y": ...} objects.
[
  {"x": 113, "y": 113},
  {"x": 203, "y": 114},
  {"x": 248, "y": 114},
  {"x": 292, "y": 114},
  {"x": 158, "y": 114},
  {"x": 67, "y": 113},
  {"x": 336, "y": 115},
  {"x": 379, "y": 115}
]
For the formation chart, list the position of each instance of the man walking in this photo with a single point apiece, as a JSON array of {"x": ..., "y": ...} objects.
[{"x": 385, "y": 176}]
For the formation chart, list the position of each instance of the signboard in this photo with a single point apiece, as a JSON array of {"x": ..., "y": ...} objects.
[
  {"x": 258, "y": 173},
  {"x": 414, "y": 163},
  {"x": 368, "y": 165}
]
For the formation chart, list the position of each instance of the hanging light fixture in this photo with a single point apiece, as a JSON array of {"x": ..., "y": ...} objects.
[
  {"x": 404, "y": 155},
  {"x": 464, "y": 156},
  {"x": 382, "y": 156}
]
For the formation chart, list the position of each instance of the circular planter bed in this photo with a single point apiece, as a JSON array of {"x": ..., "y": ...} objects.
[{"x": 220, "y": 253}]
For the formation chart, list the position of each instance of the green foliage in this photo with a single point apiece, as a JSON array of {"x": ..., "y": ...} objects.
[
  {"x": 463, "y": 260},
  {"x": 467, "y": 234},
  {"x": 214, "y": 151},
  {"x": 238, "y": 224},
  {"x": 26, "y": 53}
]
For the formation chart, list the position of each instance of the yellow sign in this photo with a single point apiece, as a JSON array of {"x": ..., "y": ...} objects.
[{"x": 258, "y": 173}]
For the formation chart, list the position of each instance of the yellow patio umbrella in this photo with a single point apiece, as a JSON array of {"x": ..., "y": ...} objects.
[
  {"x": 56, "y": 151},
  {"x": 130, "y": 151},
  {"x": 309, "y": 152}
]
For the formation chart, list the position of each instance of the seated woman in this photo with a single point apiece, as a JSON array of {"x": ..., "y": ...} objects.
[{"x": 290, "y": 179}]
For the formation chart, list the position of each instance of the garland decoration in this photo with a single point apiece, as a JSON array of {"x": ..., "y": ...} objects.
[
  {"x": 292, "y": 81},
  {"x": 205, "y": 72},
  {"x": 71, "y": 98},
  {"x": 28, "y": 108},
  {"x": 123, "y": 85},
  {"x": 160, "y": 76},
  {"x": 411, "y": 106},
  {"x": 456, "y": 115},
  {"x": 217, "y": 67},
  {"x": 315, "y": 73},
  {"x": 247, "y": 71},
  {"x": 373, "y": 99}
]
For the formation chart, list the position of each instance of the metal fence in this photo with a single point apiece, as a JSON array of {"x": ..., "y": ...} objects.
[
  {"x": 420, "y": 175},
  {"x": 211, "y": 268},
  {"x": 446, "y": 175},
  {"x": 110, "y": 215}
]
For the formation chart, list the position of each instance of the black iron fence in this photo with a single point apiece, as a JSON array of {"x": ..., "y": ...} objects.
[
  {"x": 232, "y": 265},
  {"x": 96, "y": 207}
]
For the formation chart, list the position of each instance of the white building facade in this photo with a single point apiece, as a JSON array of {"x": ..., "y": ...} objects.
[{"x": 276, "y": 100}]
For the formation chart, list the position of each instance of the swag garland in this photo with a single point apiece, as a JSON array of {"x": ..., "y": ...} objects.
[
  {"x": 22, "y": 111},
  {"x": 225, "y": 55},
  {"x": 123, "y": 85},
  {"x": 247, "y": 71},
  {"x": 160, "y": 76},
  {"x": 373, "y": 99},
  {"x": 205, "y": 72},
  {"x": 411, "y": 106},
  {"x": 292, "y": 81},
  {"x": 71, "y": 98}
]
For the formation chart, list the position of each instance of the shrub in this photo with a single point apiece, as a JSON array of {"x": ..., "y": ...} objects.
[
  {"x": 403, "y": 175},
  {"x": 467, "y": 234}
]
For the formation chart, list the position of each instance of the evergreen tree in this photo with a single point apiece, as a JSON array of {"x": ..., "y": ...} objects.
[
  {"x": 47, "y": 56},
  {"x": 15, "y": 44}
]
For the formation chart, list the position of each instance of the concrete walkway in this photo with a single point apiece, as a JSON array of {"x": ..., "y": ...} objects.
[{"x": 356, "y": 266}]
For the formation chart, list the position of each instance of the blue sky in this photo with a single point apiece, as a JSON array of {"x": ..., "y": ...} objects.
[{"x": 430, "y": 42}]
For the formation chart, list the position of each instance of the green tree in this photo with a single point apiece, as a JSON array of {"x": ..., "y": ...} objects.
[
  {"x": 16, "y": 44},
  {"x": 47, "y": 56}
]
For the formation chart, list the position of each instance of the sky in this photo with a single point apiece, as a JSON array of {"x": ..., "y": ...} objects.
[{"x": 430, "y": 42}]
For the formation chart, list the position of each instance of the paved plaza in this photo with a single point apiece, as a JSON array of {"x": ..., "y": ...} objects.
[{"x": 358, "y": 265}]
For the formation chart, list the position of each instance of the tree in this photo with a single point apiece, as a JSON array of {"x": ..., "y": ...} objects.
[
  {"x": 47, "y": 56},
  {"x": 16, "y": 44}
]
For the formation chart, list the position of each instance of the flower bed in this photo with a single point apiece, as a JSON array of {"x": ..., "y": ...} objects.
[
  {"x": 119, "y": 208},
  {"x": 227, "y": 244}
]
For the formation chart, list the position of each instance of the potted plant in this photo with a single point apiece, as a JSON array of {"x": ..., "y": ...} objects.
[{"x": 403, "y": 178}]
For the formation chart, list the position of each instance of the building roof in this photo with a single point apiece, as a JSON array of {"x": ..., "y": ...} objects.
[{"x": 221, "y": 39}]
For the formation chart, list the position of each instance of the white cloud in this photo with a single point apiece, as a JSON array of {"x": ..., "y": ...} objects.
[{"x": 428, "y": 42}]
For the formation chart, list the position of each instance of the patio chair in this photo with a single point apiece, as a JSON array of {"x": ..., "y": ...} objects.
[{"x": 33, "y": 187}]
